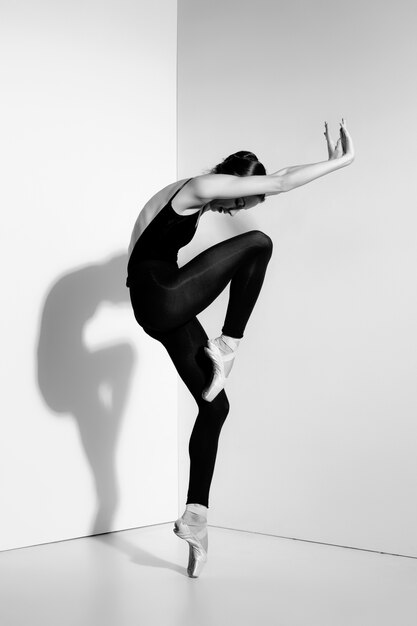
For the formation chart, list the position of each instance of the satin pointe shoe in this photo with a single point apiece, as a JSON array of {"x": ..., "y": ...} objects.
[
  {"x": 219, "y": 378},
  {"x": 197, "y": 557}
]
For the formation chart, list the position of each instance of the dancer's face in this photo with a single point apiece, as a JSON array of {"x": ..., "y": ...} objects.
[{"x": 231, "y": 206}]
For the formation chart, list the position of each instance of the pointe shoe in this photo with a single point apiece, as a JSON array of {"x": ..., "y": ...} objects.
[
  {"x": 197, "y": 557},
  {"x": 219, "y": 377}
]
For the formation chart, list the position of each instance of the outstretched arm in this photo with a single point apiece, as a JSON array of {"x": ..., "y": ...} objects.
[
  {"x": 340, "y": 155},
  {"x": 211, "y": 186}
]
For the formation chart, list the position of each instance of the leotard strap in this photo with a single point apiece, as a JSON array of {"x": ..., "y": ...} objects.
[{"x": 178, "y": 190}]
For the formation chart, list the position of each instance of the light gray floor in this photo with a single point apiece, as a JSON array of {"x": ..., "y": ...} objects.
[{"x": 138, "y": 578}]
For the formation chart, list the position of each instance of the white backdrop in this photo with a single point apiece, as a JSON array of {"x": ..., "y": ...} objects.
[
  {"x": 88, "y": 134},
  {"x": 320, "y": 440}
]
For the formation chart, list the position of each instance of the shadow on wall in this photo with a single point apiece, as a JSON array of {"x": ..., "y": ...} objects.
[{"x": 70, "y": 376}]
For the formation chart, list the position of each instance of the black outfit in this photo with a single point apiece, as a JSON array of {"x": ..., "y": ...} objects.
[{"x": 166, "y": 299}]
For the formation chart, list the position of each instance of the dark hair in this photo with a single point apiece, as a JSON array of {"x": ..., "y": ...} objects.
[{"x": 242, "y": 163}]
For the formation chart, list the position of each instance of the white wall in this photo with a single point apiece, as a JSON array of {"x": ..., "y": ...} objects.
[
  {"x": 88, "y": 134},
  {"x": 320, "y": 440}
]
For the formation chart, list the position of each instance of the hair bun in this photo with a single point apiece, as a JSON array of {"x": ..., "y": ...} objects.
[
  {"x": 243, "y": 154},
  {"x": 241, "y": 163}
]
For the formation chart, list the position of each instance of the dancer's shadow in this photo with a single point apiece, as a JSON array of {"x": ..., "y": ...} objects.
[
  {"x": 72, "y": 378},
  {"x": 138, "y": 555}
]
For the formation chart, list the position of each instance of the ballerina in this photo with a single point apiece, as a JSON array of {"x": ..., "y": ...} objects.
[{"x": 167, "y": 298}]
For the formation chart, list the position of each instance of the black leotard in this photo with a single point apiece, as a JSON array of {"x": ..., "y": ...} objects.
[{"x": 162, "y": 238}]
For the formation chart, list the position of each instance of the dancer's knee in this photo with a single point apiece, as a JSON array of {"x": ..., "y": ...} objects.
[
  {"x": 261, "y": 240},
  {"x": 218, "y": 408},
  {"x": 222, "y": 404}
]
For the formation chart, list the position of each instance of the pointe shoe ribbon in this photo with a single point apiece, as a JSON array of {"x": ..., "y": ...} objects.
[{"x": 219, "y": 378}]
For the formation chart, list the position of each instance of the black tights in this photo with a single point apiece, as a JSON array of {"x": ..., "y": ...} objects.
[{"x": 166, "y": 300}]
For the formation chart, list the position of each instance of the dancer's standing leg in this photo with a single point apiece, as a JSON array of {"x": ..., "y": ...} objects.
[{"x": 185, "y": 346}]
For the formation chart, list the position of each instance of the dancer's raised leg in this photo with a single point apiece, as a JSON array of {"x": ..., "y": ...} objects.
[{"x": 169, "y": 297}]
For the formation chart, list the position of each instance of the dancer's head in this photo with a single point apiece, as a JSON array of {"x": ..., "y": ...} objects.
[{"x": 241, "y": 163}]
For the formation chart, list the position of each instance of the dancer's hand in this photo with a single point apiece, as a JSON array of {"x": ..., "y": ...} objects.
[{"x": 344, "y": 145}]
